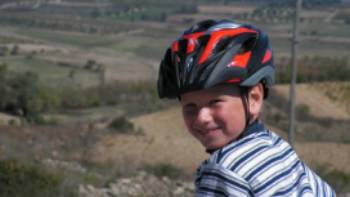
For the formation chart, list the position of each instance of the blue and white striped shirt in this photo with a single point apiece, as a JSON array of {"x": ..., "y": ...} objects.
[{"x": 258, "y": 164}]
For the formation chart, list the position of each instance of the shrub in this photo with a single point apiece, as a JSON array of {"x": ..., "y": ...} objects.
[
  {"x": 22, "y": 94},
  {"x": 15, "y": 50},
  {"x": 41, "y": 120},
  {"x": 76, "y": 98},
  {"x": 303, "y": 111},
  {"x": 17, "y": 180},
  {"x": 123, "y": 125}
]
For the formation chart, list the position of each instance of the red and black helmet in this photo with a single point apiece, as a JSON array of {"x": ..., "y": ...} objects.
[{"x": 213, "y": 52}]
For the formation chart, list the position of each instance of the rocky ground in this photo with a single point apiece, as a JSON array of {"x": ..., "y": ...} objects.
[{"x": 143, "y": 184}]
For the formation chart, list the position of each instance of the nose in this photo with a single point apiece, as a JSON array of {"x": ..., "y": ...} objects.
[{"x": 204, "y": 116}]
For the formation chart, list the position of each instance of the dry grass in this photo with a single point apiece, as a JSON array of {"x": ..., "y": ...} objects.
[
  {"x": 333, "y": 155},
  {"x": 317, "y": 14},
  {"x": 165, "y": 140},
  {"x": 319, "y": 105},
  {"x": 226, "y": 9}
]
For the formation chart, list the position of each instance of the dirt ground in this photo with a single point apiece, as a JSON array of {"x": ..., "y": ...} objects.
[{"x": 165, "y": 140}]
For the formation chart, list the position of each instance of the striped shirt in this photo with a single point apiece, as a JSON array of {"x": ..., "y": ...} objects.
[{"x": 258, "y": 164}]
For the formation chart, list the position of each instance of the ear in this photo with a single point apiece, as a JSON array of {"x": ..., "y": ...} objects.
[{"x": 255, "y": 100}]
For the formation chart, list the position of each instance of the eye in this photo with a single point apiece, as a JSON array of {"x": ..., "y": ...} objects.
[{"x": 190, "y": 110}]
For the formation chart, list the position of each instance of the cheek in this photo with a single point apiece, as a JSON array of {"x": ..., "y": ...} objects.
[
  {"x": 187, "y": 120},
  {"x": 232, "y": 117}
]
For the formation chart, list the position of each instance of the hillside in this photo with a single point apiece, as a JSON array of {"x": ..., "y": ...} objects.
[{"x": 166, "y": 140}]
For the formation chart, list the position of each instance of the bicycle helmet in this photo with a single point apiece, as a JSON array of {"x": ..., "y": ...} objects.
[{"x": 213, "y": 52}]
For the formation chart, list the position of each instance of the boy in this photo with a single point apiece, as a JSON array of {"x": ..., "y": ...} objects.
[{"x": 221, "y": 72}]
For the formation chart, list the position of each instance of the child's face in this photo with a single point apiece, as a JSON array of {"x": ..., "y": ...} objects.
[{"x": 214, "y": 116}]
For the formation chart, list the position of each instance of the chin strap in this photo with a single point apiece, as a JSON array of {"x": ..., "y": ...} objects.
[{"x": 245, "y": 101}]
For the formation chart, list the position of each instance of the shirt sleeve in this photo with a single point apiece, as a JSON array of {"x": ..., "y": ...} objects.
[{"x": 214, "y": 180}]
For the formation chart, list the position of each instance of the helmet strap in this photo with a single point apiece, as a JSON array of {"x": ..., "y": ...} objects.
[{"x": 245, "y": 101}]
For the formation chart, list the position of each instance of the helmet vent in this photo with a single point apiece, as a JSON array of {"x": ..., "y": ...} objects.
[
  {"x": 222, "y": 44},
  {"x": 247, "y": 45}
]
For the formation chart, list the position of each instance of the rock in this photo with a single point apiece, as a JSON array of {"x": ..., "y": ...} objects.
[
  {"x": 178, "y": 191},
  {"x": 91, "y": 191}
]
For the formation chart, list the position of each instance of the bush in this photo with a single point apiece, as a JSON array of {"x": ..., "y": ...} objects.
[
  {"x": 22, "y": 94},
  {"x": 76, "y": 98},
  {"x": 41, "y": 120},
  {"x": 123, "y": 125},
  {"x": 303, "y": 111},
  {"x": 17, "y": 180}
]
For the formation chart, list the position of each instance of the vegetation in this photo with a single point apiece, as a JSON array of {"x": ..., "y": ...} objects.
[
  {"x": 337, "y": 92},
  {"x": 339, "y": 180},
  {"x": 19, "y": 180},
  {"x": 124, "y": 126},
  {"x": 316, "y": 69},
  {"x": 344, "y": 15},
  {"x": 23, "y": 95},
  {"x": 308, "y": 126}
]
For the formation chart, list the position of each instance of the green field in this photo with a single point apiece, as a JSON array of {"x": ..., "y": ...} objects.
[
  {"x": 78, "y": 40},
  {"x": 50, "y": 73}
]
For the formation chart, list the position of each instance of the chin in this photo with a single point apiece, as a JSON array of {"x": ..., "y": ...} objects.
[{"x": 213, "y": 146}]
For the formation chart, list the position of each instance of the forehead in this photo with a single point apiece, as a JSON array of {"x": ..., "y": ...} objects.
[{"x": 216, "y": 91}]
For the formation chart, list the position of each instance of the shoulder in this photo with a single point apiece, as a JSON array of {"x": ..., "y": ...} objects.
[
  {"x": 249, "y": 151},
  {"x": 259, "y": 159},
  {"x": 265, "y": 165},
  {"x": 213, "y": 180},
  {"x": 220, "y": 172}
]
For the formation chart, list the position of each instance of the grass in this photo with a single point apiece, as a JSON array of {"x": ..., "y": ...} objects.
[
  {"x": 142, "y": 46},
  {"x": 11, "y": 40},
  {"x": 330, "y": 29},
  {"x": 49, "y": 72},
  {"x": 145, "y": 46},
  {"x": 309, "y": 127},
  {"x": 20, "y": 179},
  {"x": 165, "y": 169},
  {"x": 77, "y": 40},
  {"x": 337, "y": 92},
  {"x": 310, "y": 47}
]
